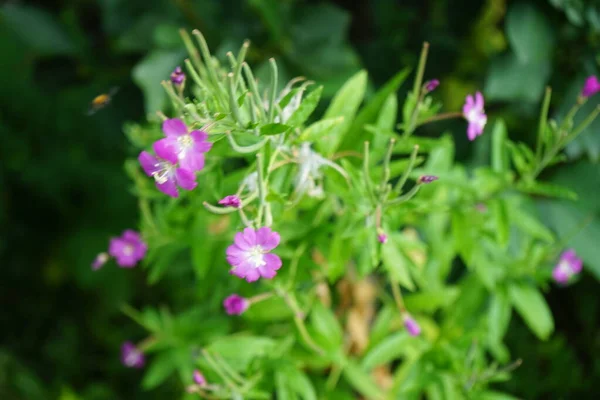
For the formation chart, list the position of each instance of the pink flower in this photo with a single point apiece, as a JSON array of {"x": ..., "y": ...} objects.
[
  {"x": 177, "y": 76},
  {"x": 431, "y": 85},
  {"x": 166, "y": 173},
  {"x": 427, "y": 178},
  {"x": 382, "y": 238},
  {"x": 411, "y": 325},
  {"x": 568, "y": 265},
  {"x": 181, "y": 146},
  {"x": 199, "y": 379},
  {"x": 131, "y": 357},
  {"x": 250, "y": 254},
  {"x": 231, "y": 201},
  {"x": 99, "y": 261},
  {"x": 591, "y": 87},
  {"x": 127, "y": 249},
  {"x": 475, "y": 114},
  {"x": 235, "y": 305}
]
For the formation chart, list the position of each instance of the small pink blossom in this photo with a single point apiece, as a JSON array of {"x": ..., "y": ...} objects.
[
  {"x": 475, "y": 114},
  {"x": 568, "y": 265},
  {"x": 250, "y": 254},
  {"x": 177, "y": 77},
  {"x": 591, "y": 87},
  {"x": 411, "y": 325},
  {"x": 235, "y": 305},
  {"x": 382, "y": 238},
  {"x": 231, "y": 201},
  {"x": 431, "y": 85},
  {"x": 100, "y": 260},
  {"x": 131, "y": 356},
  {"x": 182, "y": 146},
  {"x": 199, "y": 379},
  {"x": 427, "y": 178},
  {"x": 128, "y": 249}
]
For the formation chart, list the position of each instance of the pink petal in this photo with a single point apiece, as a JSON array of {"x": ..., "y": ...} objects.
[
  {"x": 472, "y": 131},
  {"x": 167, "y": 149},
  {"x": 267, "y": 239},
  {"x": 169, "y": 188},
  {"x": 266, "y": 272},
  {"x": 174, "y": 127},
  {"x": 240, "y": 270},
  {"x": 149, "y": 163},
  {"x": 252, "y": 275},
  {"x": 479, "y": 101},
  {"x": 131, "y": 235},
  {"x": 200, "y": 141},
  {"x": 192, "y": 160},
  {"x": 116, "y": 246},
  {"x": 250, "y": 236},
  {"x": 185, "y": 179},
  {"x": 272, "y": 261},
  {"x": 240, "y": 240}
]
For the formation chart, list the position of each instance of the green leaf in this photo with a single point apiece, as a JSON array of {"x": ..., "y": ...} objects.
[
  {"x": 240, "y": 350},
  {"x": 498, "y": 316},
  {"x": 547, "y": 189},
  {"x": 499, "y": 152},
  {"x": 274, "y": 129},
  {"x": 153, "y": 69},
  {"x": 492, "y": 395},
  {"x": 321, "y": 129},
  {"x": 361, "y": 381},
  {"x": 432, "y": 299},
  {"x": 368, "y": 114},
  {"x": 531, "y": 225},
  {"x": 396, "y": 263},
  {"x": 529, "y": 32},
  {"x": 306, "y": 108},
  {"x": 298, "y": 382},
  {"x": 500, "y": 212},
  {"x": 37, "y": 29},
  {"x": 163, "y": 365},
  {"x": 531, "y": 305},
  {"x": 345, "y": 105},
  {"x": 388, "y": 350},
  {"x": 324, "y": 324}
]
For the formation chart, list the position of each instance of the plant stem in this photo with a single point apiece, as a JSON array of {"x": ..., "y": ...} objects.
[
  {"x": 542, "y": 123},
  {"x": 439, "y": 117},
  {"x": 411, "y": 164},
  {"x": 398, "y": 296}
]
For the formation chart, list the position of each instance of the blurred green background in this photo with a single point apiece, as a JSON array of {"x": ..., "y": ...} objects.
[{"x": 63, "y": 190}]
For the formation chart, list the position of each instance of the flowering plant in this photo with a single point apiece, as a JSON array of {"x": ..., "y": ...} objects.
[{"x": 337, "y": 257}]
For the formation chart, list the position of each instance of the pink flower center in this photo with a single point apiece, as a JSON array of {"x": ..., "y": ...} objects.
[
  {"x": 256, "y": 256},
  {"x": 185, "y": 142},
  {"x": 565, "y": 268},
  {"x": 128, "y": 250},
  {"x": 132, "y": 358},
  {"x": 166, "y": 170}
]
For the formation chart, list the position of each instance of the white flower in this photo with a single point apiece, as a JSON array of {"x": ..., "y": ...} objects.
[{"x": 309, "y": 177}]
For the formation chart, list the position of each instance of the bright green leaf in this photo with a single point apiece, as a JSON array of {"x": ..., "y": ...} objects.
[{"x": 531, "y": 305}]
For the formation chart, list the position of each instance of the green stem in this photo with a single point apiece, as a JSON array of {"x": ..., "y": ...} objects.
[
  {"x": 254, "y": 89},
  {"x": 398, "y": 296},
  {"x": 217, "y": 368},
  {"x": 439, "y": 117},
  {"x": 272, "y": 105},
  {"x": 409, "y": 195},
  {"x": 367, "y": 172},
  {"x": 420, "y": 70},
  {"x": 586, "y": 122},
  {"x": 385, "y": 176},
  {"x": 262, "y": 195},
  {"x": 245, "y": 149},
  {"x": 542, "y": 123},
  {"x": 413, "y": 158},
  {"x": 193, "y": 52},
  {"x": 233, "y": 106}
]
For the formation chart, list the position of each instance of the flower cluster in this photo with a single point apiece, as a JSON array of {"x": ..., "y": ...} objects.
[
  {"x": 591, "y": 87},
  {"x": 568, "y": 265},
  {"x": 178, "y": 157}
]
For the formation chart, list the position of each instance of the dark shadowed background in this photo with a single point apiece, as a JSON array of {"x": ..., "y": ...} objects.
[{"x": 63, "y": 190}]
